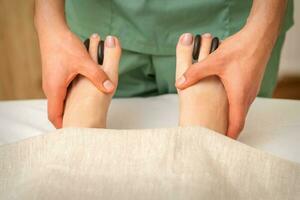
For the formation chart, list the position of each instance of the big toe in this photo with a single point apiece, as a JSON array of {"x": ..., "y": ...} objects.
[
  {"x": 112, "y": 54},
  {"x": 184, "y": 52}
]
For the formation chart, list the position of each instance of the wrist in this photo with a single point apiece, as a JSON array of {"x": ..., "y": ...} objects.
[
  {"x": 265, "y": 33},
  {"x": 48, "y": 29},
  {"x": 258, "y": 39},
  {"x": 265, "y": 20},
  {"x": 256, "y": 47},
  {"x": 49, "y": 19}
]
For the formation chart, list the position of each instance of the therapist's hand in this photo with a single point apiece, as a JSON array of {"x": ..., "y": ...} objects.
[
  {"x": 63, "y": 57},
  {"x": 241, "y": 59},
  {"x": 240, "y": 63}
]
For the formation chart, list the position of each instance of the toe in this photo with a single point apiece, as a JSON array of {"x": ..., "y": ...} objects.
[
  {"x": 112, "y": 53},
  {"x": 94, "y": 41},
  {"x": 205, "y": 46},
  {"x": 184, "y": 52}
]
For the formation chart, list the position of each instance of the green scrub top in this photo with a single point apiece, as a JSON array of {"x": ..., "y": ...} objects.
[{"x": 152, "y": 28}]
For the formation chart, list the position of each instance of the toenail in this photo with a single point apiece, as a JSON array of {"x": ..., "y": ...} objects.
[
  {"x": 206, "y": 35},
  {"x": 95, "y": 35},
  {"x": 187, "y": 39},
  {"x": 110, "y": 41},
  {"x": 108, "y": 85},
  {"x": 181, "y": 80}
]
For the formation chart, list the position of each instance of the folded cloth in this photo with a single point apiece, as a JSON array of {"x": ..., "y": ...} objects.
[{"x": 175, "y": 163}]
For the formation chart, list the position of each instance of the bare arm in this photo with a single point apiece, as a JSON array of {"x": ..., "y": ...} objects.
[
  {"x": 50, "y": 16},
  {"x": 265, "y": 20}
]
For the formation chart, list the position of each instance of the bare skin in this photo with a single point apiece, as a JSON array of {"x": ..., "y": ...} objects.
[
  {"x": 63, "y": 58},
  {"x": 86, "y": 106},
  {"x": 204, "y": 104},
  {"x": 261, "y": 30},
  {"x": 241, "y": 60}
]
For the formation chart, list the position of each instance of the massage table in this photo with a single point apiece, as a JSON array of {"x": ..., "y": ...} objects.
[{"x": 272, "y": 125}]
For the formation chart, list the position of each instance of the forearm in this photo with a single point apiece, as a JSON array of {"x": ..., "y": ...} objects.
[
  {"x": 265, "y": 20},
  {"x": 50, "y": 17}
]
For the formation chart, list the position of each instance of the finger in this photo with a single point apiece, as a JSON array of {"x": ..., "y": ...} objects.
[
  {"x": 197, "y": 72},
  {"x": 93, "y": 47},
  {"x": 97, "y": 76},
  {"x": 112, "y": 52},
  {"x": 184, "y": 51},
  {"x": 56, "y": 106},
  {"x": 205, "y": 46},
  {"x": 237, "y": 115}
]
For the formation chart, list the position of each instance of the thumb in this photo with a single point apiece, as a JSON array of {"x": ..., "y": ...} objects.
[
  {"x": 97, "y": 76},
  {"x": 237, "y": 116},
  {"x": 196, "y": 72}
]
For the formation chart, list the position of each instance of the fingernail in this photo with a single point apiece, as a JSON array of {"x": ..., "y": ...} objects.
[
  {"x": 108, "y": 85},
  {"x": 95, "y": 35},
  {"x": 181, "y": 80},
  {"x": 206, "y": 35},
  {"x": 187, "y": 39},
  {"x": 110, "y": 41}
]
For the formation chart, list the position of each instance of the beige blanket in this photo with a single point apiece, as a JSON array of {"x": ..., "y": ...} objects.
[{"x": 178, "y": 163}]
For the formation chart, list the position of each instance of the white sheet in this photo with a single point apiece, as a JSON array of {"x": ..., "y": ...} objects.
[{"x": 272, "y": 125}]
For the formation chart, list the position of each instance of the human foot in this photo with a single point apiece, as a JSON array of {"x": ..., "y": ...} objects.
[
  {"x": 85, "y": 105},
  {"x": 204, "y": 103}
]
